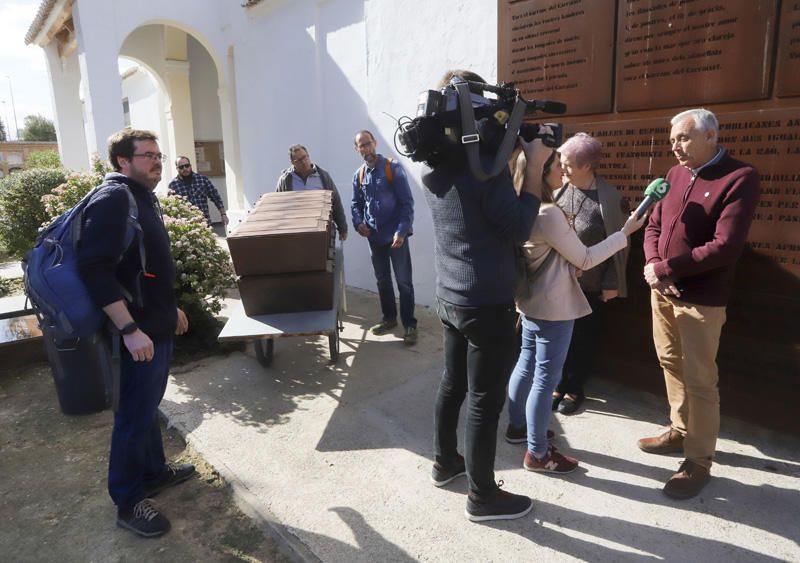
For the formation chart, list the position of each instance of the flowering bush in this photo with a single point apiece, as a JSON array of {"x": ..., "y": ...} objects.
[
  {"x": 204, "y": 268},
  {"x": 66, "y": 195},
  {"x": 76, "y": 185}
]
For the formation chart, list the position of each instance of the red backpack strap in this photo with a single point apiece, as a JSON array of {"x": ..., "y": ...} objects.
[{"x": 388, "y": 170}]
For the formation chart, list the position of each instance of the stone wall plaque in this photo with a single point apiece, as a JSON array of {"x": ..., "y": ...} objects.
[
  {"x": 671, "y": 55},
  {"x": 683, "y": 53},
  {"x": 787, "y": 75},
  {"x": 560, "y": 50}
]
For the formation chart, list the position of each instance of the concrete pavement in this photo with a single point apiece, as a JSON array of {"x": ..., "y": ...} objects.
[{"x": 335, "y": 461}]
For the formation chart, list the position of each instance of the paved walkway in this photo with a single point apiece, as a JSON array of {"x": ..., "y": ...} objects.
[
  {"x": 11, "y": 270},
  {"x": 335, "y": 461}
]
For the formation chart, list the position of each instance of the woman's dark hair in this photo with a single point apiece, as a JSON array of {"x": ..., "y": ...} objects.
[{"x": 547, "y": 191}]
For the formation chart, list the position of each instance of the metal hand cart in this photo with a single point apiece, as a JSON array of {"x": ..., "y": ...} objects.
[{"x": 262, "y": 330}]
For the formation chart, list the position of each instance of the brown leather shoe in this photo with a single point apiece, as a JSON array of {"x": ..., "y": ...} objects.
[
  {"x": 688, "y": 481},
  {"x": 669, "y": 442}
]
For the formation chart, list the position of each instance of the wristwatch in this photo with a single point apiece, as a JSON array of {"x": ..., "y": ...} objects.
[{"x": 129, "y": 328}]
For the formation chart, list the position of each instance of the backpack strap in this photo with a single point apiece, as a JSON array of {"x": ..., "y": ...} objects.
[
  {"x": 387, "y": 170},
  {"x": 133, "y": 230}
]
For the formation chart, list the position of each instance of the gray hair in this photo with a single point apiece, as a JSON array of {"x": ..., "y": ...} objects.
[
  {"x": 703, "y": 119},
  {"x": 294, "y": 148},
  {"x": 583, "y": 149}
]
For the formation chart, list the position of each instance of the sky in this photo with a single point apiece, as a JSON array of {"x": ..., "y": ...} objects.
[{"x": 22, "y": 68}]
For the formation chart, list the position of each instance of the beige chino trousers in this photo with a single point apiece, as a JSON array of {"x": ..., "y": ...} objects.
[{"x": 686, "y": 338}]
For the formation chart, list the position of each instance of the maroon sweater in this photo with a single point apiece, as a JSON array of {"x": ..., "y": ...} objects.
[{"x": 697, "y": 232}]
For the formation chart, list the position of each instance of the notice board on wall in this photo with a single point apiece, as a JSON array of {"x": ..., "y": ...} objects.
[{"x": 209, "y": 158}]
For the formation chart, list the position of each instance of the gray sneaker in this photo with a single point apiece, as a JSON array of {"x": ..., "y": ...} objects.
[
  {"x": 410, "y": 337},
  {"x": 383, "y": 327}
]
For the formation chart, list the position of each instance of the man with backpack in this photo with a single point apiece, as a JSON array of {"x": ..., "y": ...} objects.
[
  {"x": 383, "y": 212},
  {"x": 138, "y": 297}
]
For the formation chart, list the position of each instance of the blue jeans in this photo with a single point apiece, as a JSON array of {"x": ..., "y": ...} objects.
[
  {"x": 535, "y": 377},
  {"x": 478, "y": 356},
  {"x": 137, "y": 452},
  {"x": 384, "y": 260}
]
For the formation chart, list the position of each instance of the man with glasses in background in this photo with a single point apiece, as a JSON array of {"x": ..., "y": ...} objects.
[
  {"x": 197, "y": 189},
  {"x": 305, "y": 175}
]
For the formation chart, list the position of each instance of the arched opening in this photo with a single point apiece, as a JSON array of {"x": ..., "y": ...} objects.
[{"x": 170, "y": 84}]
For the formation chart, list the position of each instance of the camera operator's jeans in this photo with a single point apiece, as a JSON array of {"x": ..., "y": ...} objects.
[
  {"x": 479, "y": 354},
  {"x": 536, "y": 375},
  {"x": 384, "y": 260}
]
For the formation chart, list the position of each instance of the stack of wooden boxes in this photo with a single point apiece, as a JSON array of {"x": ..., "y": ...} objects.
[{"x": 284, "y": 253}]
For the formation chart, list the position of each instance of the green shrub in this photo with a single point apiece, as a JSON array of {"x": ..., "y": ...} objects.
[
  {"x": 43, "y": 159},
  {"x": 22, "y": 212}
]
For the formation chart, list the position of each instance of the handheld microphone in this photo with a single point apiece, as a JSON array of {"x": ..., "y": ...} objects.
[{"x": 653, "y": 193}]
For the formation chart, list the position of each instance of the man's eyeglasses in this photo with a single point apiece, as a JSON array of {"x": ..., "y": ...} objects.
[
  {"x": 182, "y": 166},
  {"x": 300, "y": 158},
  {"x": 153, "y": 156}
]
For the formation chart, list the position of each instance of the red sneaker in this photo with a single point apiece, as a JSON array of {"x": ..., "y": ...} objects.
[{"x": 553, "y": 462}]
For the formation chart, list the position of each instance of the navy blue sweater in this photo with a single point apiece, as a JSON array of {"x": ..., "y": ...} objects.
[
  {"x": 477, "y": 226},
  {"x": 102, "y": 243}
]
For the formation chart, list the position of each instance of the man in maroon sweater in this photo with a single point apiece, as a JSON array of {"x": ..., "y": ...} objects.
[{"x": 691, "y": 245}]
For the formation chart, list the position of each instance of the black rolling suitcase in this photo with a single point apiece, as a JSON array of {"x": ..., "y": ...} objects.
[{"x": 84, "y": 372}]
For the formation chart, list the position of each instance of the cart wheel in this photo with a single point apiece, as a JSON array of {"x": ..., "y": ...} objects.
[
  {"x": 333, "y": 344},
  {"x": 265, "y": 351}
]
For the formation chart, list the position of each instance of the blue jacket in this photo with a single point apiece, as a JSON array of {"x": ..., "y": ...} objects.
[{"x": 386, "y": 208}]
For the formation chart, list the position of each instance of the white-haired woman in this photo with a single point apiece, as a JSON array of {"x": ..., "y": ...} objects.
[{"x": 594, "y": 209}]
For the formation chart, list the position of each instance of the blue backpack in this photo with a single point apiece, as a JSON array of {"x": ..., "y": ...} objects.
[{"x": 58, "y": 296}]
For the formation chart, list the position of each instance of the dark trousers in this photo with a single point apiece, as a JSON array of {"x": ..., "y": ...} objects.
[
  {"x": 584, "y": 348},
  {"x": 384, "y": 260},
  {"x": 137, "y": 452},
  {"x": 479, "y": 355}
]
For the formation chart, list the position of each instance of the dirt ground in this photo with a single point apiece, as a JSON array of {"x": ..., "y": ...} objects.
[{"x": 53, "y": 500}]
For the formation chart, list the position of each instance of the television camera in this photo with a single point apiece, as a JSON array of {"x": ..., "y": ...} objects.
[{"x": 443, "y": 126}]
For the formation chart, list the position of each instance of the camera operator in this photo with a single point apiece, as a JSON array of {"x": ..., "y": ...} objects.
[{"x": 477, "y": 227}]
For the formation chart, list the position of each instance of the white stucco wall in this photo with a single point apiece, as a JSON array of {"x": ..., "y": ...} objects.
[
  {"x": 204, "y": 86},
  {"x": 313, "y": 72},
  {"x": 147, "y": 112},
  {"x": 335, "y": 67}
]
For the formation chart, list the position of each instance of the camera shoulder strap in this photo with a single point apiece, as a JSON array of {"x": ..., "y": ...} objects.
[{"x": 471, "y": 140}]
